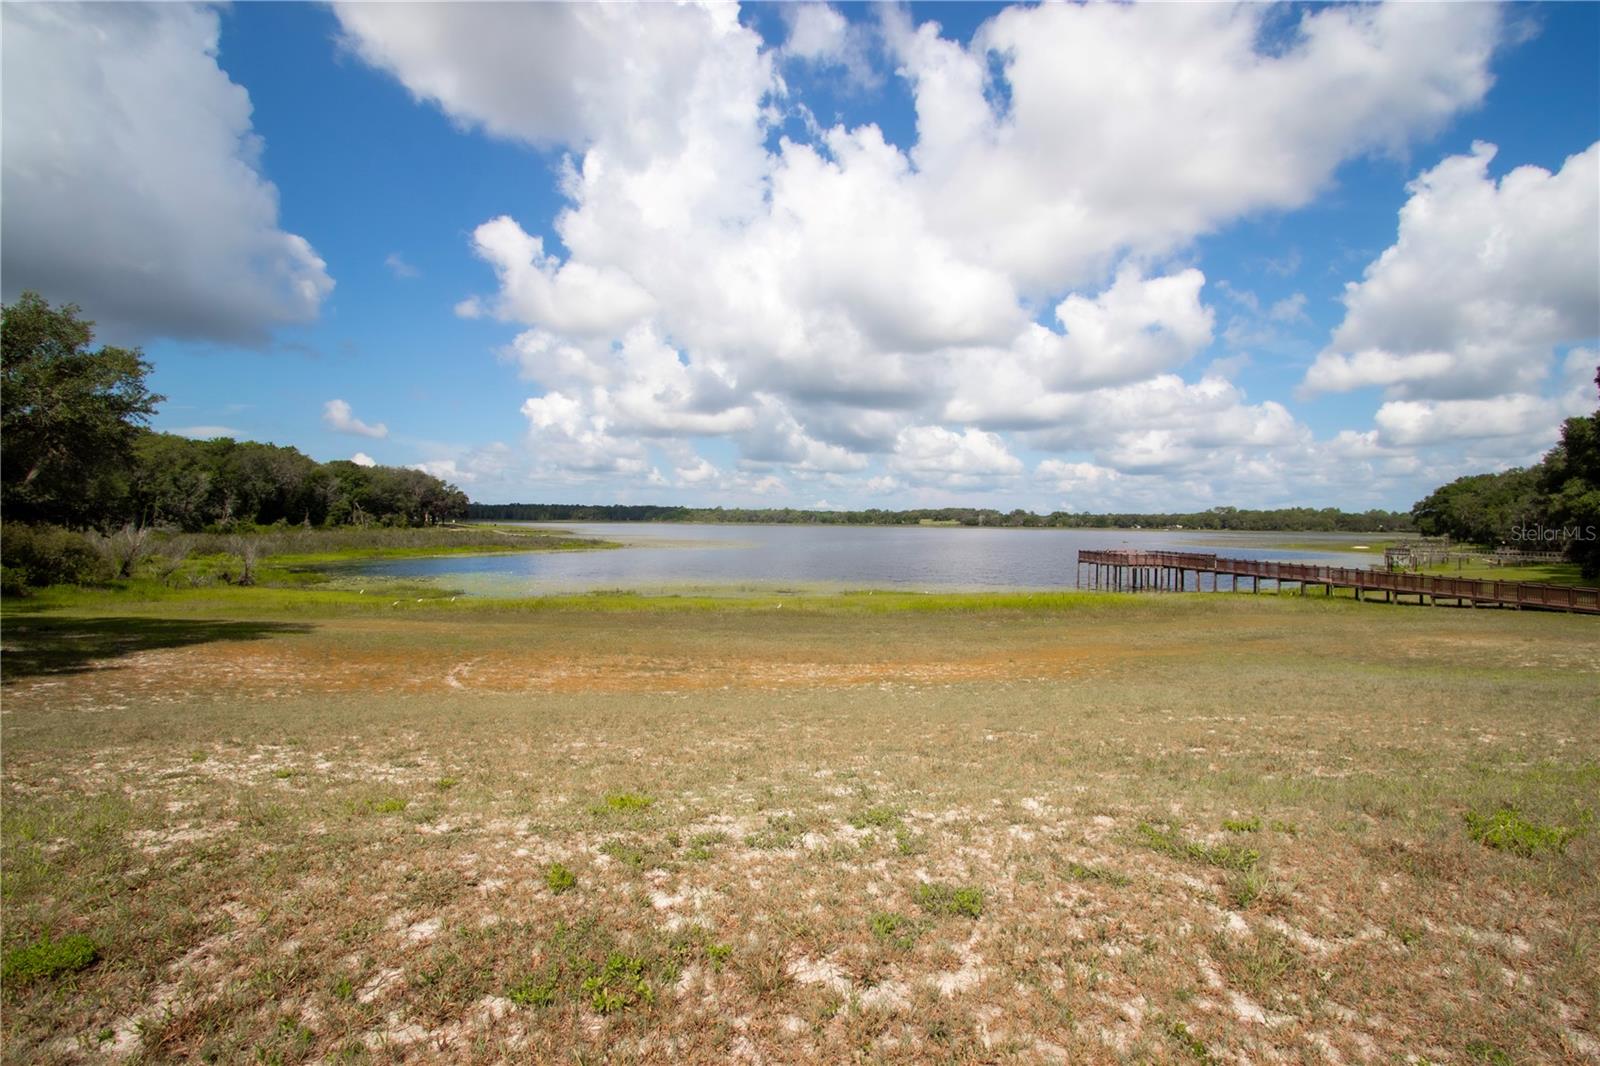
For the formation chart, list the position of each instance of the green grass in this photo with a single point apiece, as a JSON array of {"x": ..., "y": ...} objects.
[
  {"x": 46, "y": 958},
  {"x": 876, "y": 818},
  {"x": 536, "y": 990},
  {"x": 1078, "y": 871},
  {"x": 1167, "y": 840},
  {"x": 559, "y": 879},
  {"x": 144, "y": 597},
  {"x": 1507, "y": 829},
  {"x": 965, "y": 900},
  {"x": 1245, "y": 887},
  {"x": 1483, "y": 1051},
  {"x": 1189, "y": 1043},
  {"x": 1545, "y": 573},
  {"x": 781, "y": 832},
  {"x": 620, "y": 984},
  {"x": 895, "y": 929},
  {"x": 624, "y": 802}
]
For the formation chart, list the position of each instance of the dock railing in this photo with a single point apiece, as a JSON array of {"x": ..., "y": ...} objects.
[{"x": 1135, "y": 570}]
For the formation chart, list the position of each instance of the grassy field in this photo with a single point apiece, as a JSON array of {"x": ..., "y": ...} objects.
[
  {"x": 282, "y": 826},
  {"x": 1548, "y": 573}
]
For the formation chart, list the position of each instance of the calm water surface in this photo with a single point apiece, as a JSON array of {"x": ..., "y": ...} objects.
[{"x": 677, "y": 556}]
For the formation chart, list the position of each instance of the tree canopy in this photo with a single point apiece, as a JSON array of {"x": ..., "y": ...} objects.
[
  {"x": 79, "y": 453},
  {"x": 69, "y": 415},
  {"x": 196, "y": 484},
  {"x": 1554, "y": 506},
  {"x": 1299, "y": 519}
]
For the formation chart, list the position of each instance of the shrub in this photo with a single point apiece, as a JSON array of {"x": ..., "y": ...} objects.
[{"x": 36, "y": 556}]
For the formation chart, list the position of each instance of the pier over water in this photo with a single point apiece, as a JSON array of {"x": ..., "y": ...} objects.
[{"x": 1124, "y": 570}]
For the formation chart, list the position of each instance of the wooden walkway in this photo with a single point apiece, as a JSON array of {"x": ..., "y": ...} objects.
[{"x": 1125, "y": 570}]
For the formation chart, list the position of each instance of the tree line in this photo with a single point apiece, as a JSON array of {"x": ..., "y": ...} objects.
[
  {"x": 1284, "y": 519},
  {"x": 79, "y": 453},
  {"x": 1551, "y": 506}
]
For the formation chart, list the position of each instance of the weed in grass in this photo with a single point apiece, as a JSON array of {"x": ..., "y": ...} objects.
[
  {"x": 718, "y": 954},
  {"x": 1261, "y": 964},
  {"x": 1190, "y": 1043},
  {"x": 782, "y": 832},
  {"x": 623, "y": 803},
  {"x": 1245, "y": 887},
  {"x": 391, "y": 805},
  {"x": 559, "y": 879},
  {"x": 1288, "y": 828},
  {"x": 631, "y": 854},
  {"x": 765, "y": 969},
  {"x": 894, "y": 929},
  {"x": 1408, "y": 935},
  {"x": 1166, "y": 839},
  {"x": 620, "y": 984},
  {"x": 49, "y": 958},
  {"x": 1483, "y": 1051},
  {"x": 908, "y": 843},
  {"x": 283, "y": 775},
  {"x": 445, "y": 784},
  {"x": 538, "y": 990},
  {"x": 1508, "y": 830},
  {"x": 947, "y": 899},
  {"x": 875, "y": 818},
  {"x": 429, "y": 889},
  {"x": 1080, "y": 872},
  {"x": 701, "y": 845},
  {"x": 344, "y": 988},
  {"x": 1242, "y": 825},
  {"x": 585, "y": 965}
]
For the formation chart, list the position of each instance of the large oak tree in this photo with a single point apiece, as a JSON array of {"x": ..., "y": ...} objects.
[{"x": 69, "y": 414}]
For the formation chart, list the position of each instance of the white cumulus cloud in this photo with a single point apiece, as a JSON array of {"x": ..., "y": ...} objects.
[
  {"x": 1486, "y": 279},
  {"x": 874, "y": 317},
  {"x": 337, "y": 416},
  {"x": 132, "y": 178}
]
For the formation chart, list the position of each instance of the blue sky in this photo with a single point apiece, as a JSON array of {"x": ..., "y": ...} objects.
[{"x": 1082, "y": 258}]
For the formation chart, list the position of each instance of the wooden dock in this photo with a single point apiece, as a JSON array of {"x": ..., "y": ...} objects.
[{"x": 1124, "y": 570}]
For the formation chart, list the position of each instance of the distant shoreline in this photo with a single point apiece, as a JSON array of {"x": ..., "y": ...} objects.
[{"x": 1218, "y": 520}]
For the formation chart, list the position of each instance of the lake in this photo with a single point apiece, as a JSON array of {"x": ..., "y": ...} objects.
[{"x": 676, "y": 556}]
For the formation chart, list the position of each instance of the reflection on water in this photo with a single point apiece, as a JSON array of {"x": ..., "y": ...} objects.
[{"x": 665, "y": 556}]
